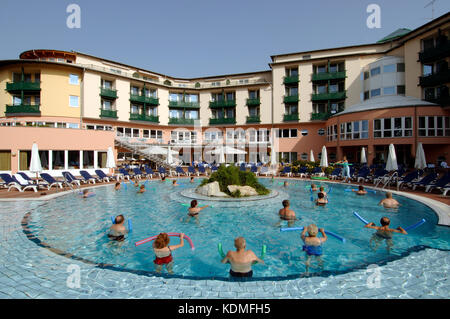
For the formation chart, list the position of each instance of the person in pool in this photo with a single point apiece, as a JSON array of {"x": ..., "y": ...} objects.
[
  {"x": 313, "y": 244},
  {"x": 117, "y": 231},
  {"x": 192, "y": 179},
  {"x": 286, "y": 213},
  {"x": 383, "y": 233},
  {"x": 141, "y": 189},
  {"x": 194, "y": 210},
  {"x": 241, "y": 260},
  {"x": 87, "y": 193},
  {"x": 322, "y": 190},
  {"x": 174, "y": 183},
  {"x": 360, "y": 191},
  {"x": 313, "y": 187},
  {"x": 163, "y": 252},
  {"x": 321, "y": 200},
  {"x": 389, "y": 202},
  {"x": 285, "y": 184},
  {"x": 163, "y": 178},
  {"x": 117, "y": 186}
]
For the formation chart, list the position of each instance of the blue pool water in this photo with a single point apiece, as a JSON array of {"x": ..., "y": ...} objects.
[{"x": 78, "y": 226}]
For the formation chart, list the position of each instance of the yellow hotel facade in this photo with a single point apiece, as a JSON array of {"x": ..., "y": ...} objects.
[{"x": 75, "y": 105}]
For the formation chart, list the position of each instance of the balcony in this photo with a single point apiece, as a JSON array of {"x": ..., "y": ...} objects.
[
  {"x": 253, "y": 119},
  {"x": 22, "y": 109},
  {"x": 23, "y": 86},
  {"x": 291, "y": 99},
  {"x": 222, "y": 103},
  {"x": 440, "y": 51},
  {"x": 181, "y": 121},
  {"x": 184, "y": 105},
  {"x": 144, "y": 117},
  {"x": 108, "y": 93},
  {"x": 435, "y": 79},
  {"x": 328, "y": 96},
  {"x": 290, "y": 79},
  {"x": 320, "y": 116},
  {"x": 144, "y": 99},
  {"x": 290, "y": 117},
  {"x": 230, "y": 120},
  {"x": 325, "y": 76},
  {"x": 253, "y": 102},
  {"x": 108, "y": 113}
]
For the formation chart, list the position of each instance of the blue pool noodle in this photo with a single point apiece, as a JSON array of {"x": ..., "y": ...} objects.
[
  {"x": 124, "y": 185},
  {"x": 326, "y": 232},
  {"x": 415, "y": 225},
  {"x": 360, "y": 218}
]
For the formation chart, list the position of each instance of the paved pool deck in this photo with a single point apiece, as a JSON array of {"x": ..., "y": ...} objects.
[{"x": 31, "y": 271}]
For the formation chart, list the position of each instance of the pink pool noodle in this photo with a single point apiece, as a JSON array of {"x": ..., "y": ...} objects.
[{"x": 146, "y": 240}]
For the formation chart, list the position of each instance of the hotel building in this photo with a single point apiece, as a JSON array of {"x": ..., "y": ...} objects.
[{"x": 75, "y": 105}]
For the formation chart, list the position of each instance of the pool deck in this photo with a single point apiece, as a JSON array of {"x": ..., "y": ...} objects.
[{"x": 30, "y": 271}]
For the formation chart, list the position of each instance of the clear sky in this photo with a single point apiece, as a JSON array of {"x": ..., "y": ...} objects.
[{"x": 194, "y": 38}]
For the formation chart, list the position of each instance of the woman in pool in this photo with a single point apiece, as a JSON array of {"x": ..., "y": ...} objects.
[
  {"x": 313, "y": 187},
  {"x": 141, "y": 189},
  {"x": 163, "y": 252},
  {"x": 346, "y": 170},
  {"x": 360, "y": 191},
  {"x": 383, "y": 233},
  {"x": 174, "y": 183},
  {"x": 87, "y": 193},
  {"x": 192, "y": 179},
  {"x": 313, "y": 244},
  {"x": 117, "y": 186},
  {"x": 322, "y": 190},
  {"x": 194, "y": 210},
  {"x": 241, "y": 260},
  {"x": 117, "y": 231}
]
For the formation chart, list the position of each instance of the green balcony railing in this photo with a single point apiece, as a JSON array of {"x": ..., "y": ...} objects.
[
  {"x": 229, "y": 120},
  {"x": 320, "y": 116},
  {"x": 108, "y": 113},
  {"x": 183, "y": 104},
  {"x": 253, "y": 119},
  {"x": 222, "y": 103},
  {"x": 144, "y": 117},
  {"x": 290, "y": 117},
  {"x": 23, "y": 86},
  {"x": 144, "y": 99},
  {"x": 328, "y": 76},
  {"x": 22, "y": 109},
  {"x": 290, "y": 79},
  {"x": 253, "y": 102},
  {"x": 291, "y": 99},
  {"x": 435, "y": 79},
  {"x": 181, "y": 121},
  {"x": 328, "y": 96},
  {"x": 108, "y": 93},
  {"x": 438, "y": 52}
]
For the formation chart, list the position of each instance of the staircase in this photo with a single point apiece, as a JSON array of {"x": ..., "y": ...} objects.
[{"x": 137, "y": 148}]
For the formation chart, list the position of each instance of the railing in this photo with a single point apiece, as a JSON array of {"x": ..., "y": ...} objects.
[
  {"x": 253, "y": 102},
  {"x": 253, "y": 119},
  {"x": 144, "y": 99},
  {"x": 290, "y": 79},
  {"x": 291, "y": 99},
  {"x": 183, "y": 104},
  {"x": 22, "y": 108},
  {"x": 320, "y": 116},
  {"x": 222, "y": 103},
  {"x": 290, "y": 117},
  {"x": 328, "y": 96},
  {"x": 109, "y": 93},
  {"x": 23, "y": 86},
  {"x": 435, "y": 79},
  {"x": 229, "y": 120},
  {"x": 328, "y": 76},
  {"x": 181, "y": 121},
  {"x": 435, "y": 53},
  {"x": 144, "y": 117},
  {"x": 108, "y": 113}
]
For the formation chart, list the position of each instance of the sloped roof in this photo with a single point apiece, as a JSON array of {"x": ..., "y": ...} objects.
[{"x": 394, "y": 35}]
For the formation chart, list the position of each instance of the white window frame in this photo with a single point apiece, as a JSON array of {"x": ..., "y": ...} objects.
[
  {"x": 403, "y": 129},
  {"x": 71, "y": 100},
  {"x": 445, "y": 129},
  {"x": 72, "y": 77}
]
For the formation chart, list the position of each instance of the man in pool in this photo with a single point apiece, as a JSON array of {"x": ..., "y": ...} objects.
[
  {"x": 117, "y": 186},
  {"x": 174, "y": 183},
  {"x": 321, "y": 200},
  {"x": 141, "y": 189},
  {"x": 313, "y": 244},
  {"x": 192, "y": 179},
  {"x": 360, "y": 191},
  {"x": 117, "y": 231},
  {"x": 87, "y": 193},
  {"x": 383, "y": 233},
  {"x": 286, "y": 213},
  {"x": 389, "y": 202},
  {"x": 313, "y": 187},
  {"x": 241, "y": 260}
]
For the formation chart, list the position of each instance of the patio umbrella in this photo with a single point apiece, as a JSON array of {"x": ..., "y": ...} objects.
[
  {"x": 363, "y": 156},
  {"x": 225, "y": 150},
  {"x": 324, "y": 158},
  {"x": 222, "y": 155},
  {"x": 311, "y": 156},
  {"x": 157, "y": 150},
  {"x": 169, "y": 156},
  {"x": 391, "y": 164},
  {"x": 35, "y": 163},
  {"x": 110, "y": 163},
  {"x": 273, "y": 157},
  {"x": 420, "y": 161}
]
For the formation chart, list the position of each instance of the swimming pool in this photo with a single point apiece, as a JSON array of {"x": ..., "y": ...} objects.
[{"x": 78, "y": 227}]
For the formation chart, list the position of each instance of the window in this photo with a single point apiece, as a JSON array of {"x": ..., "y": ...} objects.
[
  {"x": 389, "y": 68},
  {"x": 389, "y": 90},
  {"x": 106, "y": 105},
  {"x": 73, "y": 125},
  {"x": 73, "y": 101},
  {"x": 287, "y": 157},
  {"x": 73, "y": 79},
  {"x": 392, "y": 127},
  {"x": 430, "y": 126},
  {"x": 304, "y": 132},
  {"x": 332, "y": 133},
  {"x": 321, "y": 132},
  {"x": 366, "y": 75},
  {"x": 401, "y": 89},
  {"x": 375, "y": 71},
  {"x": 366, "y": 95},
  {"x": 287, "y": 133},
  {"x": 304, "y": 156},
  {"x": 400, "y": 67},
  {"x": 353, "y": 130},
  {"x": 375, "y": 92},
  {"x": 106, "y": 84}
]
